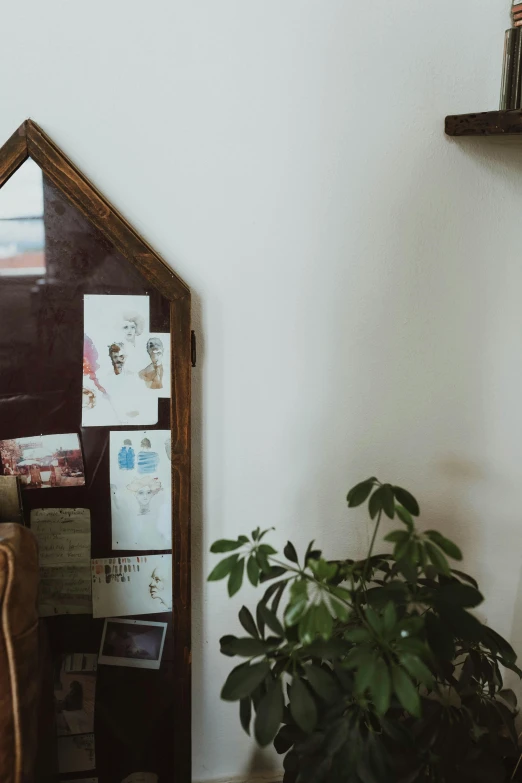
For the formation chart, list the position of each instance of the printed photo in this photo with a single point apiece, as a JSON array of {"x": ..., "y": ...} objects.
[
  {"x": 131, "y": 585},
  {"x": 44, "y": 461},
  {"x": 141, "y": 501},
  {"x": 74, "y": 693},
  {"x": 116, "y": 333},
  {"x": 132, "y": 643}
]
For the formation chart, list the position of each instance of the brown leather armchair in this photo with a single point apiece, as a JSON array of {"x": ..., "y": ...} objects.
[{"x": 22, "y": 660}]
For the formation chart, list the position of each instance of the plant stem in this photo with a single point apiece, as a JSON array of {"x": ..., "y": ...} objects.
[{"x": 372, "y": 544}]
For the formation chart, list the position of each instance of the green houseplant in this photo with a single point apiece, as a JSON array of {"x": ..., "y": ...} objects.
[{"x": 371, "y": 671}]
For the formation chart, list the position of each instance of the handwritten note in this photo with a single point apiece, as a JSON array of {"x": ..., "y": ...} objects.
[{"x": 64, "y": 542}]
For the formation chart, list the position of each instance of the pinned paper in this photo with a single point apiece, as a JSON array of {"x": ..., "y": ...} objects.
[
  {"x": 131, "y": 585},
  {"x": 134, "y": 643},
  {"x": 116, "y": 330},
  {"x": 76, "y": 754},
  {"x": 74, "y": 693},
  {"x": 64, "y": 542},
  {"x": 141, "y": 498}
]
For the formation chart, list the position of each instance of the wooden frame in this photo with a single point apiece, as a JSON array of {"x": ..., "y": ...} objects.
[{"x": 30, "y": 141}]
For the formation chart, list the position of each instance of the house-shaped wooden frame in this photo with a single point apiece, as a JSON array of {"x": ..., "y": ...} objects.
[{"x": 30, "y": 141}]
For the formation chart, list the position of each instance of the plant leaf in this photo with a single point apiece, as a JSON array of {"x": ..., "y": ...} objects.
[
  {"x": 406, "y": 691},
  {"x": 272, "y": 573},
  {"x": 381, "y": 687},
  {"x": 462, "y": 595},
  {"x": 290, "y": 553},
  {"x": 323, "y": 683},
  {"x": 407, "y": 500},
  {"x": 375, "y": 504},
  {"x": 358, "y": 494},
  {"x": 416, "y": 668},
  {"x": 245, "y": 713},
  {"x": 365, "y": 673},
  {"x": 247, "y": 647},
  {"x": 269, "y": 714},
  {"x": 223, "y": 568},
  {"x": 447, "y": 546},
  {"x": 270, "y": 619},
  {"x": 387, "y": 500},
  {"x": 235, "y": 579},
  {"x": 405, "y": 516},
  {"x": 437, "y": 558},
  {"x": 253, "y": 570},
  {"x": 302, "y": 706},
  {"x": 243, "y": 680},
  {"x": 247, "y": 621},
  {"x": 226, "y": 545},
  {"x": 465, "y": 577}
]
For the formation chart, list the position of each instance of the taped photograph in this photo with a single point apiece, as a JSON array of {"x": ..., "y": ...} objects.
[
  {"x": 134, "y": 643},
  {"x": 141, "y": 500},
  {"x": 74, "y": 694},
  {"x": 44, "y": 461},
  {"x": 116, "y": 333},
  {"x": 131, "y": 585}
]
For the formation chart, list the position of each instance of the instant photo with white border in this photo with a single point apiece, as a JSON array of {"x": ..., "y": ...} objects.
[{"x": 135, "y": 643}]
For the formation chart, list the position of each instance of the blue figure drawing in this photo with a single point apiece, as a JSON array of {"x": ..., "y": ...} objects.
[
  {"x": 126, "y": 456},
  {"x": 148, "y": 460}
]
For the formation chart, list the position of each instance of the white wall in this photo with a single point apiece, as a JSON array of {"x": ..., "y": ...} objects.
[{"x": 357, "y": 276}]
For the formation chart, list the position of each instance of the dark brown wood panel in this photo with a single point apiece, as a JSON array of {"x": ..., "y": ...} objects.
[
  {"x": 13, "y": 154},
  {"x": 488, "y": 123},
  {"x": 96, "y": 262}
]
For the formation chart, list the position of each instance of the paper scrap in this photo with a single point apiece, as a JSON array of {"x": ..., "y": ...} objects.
[
  {"x": 131, "y": 585},
  {"x": 76, "y": 753},
  {"x": 11, "y": 500},
  {"x": 64, "y": 542},
  {"x": 141, "y": 497}
]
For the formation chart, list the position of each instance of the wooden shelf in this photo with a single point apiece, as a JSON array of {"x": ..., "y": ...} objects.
[{"x": 487, "y": 123}]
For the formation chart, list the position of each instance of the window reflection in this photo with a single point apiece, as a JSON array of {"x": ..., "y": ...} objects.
[{"x": 22, "y": 235}]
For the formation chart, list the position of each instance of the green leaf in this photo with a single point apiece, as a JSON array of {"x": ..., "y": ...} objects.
[
  {"x": 365, "y": 673},
  {"x": 374, "y": 620},
  {"x": 407, "y": 500},
  {"x": 272, "y": 573},
  {"x": 302, "y": 706},
  {"x": 245, "y": 713},
  {"x": 243, "y": 680},
  {"x": 440, "y": 638},
  {"x": 271, "y": 620},
  {"x": 406, "y": 691},
  {"x": 397, "y": 536},
  {"x": 266, "y": 549},
  {"x": 463, "y": 624},
  {"x": 437, "y": 558},
  {"x": 290, "y": 553},
  {"x": 226, "y": 545},
  {"x": 465, "y": 577},
  {"x": 269, "y": 714},
  {"x": 358, "y": 494},
  {"x": 225, "y": 645},
  {"x": 375, "y": 504},
  {"x": 235, "y": 579},
  {"x": 253, "y": 570},
  {"x": 405, "y": 517},
  {"x": 255, "y": 534},
  {"x": 447, "y": 546},
  {"x": 223, "y": 568},
  {"x": 322, "y": 621},
  {"x": 247, "y": 647},
  {"x": 323, "y": 683},
  {"x": 247, "y": 621},
  {"x": 462, "y": 595},
  {"x": 357, "y": 635},
  {"x": 388, "y": 501},
  {"x": 295, "y": 611},
  {"x": 389, "y": 617},
  {"x": 416, "y": 668},
  {"x": 381, "y": 687},
  {"x": 495, "y": 642}
]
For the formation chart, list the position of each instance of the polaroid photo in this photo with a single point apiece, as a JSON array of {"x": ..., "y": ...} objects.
[
  {"x": 131, "y": 585},
  {"x": 141, "y": 498},
  {"x": 44, "y": 461},
  {"x": 74, "y": 696},
  {"x": 116, "y": 331},
  {"x": 134, "y": 643},
  {"x": 76, "y": 753}
]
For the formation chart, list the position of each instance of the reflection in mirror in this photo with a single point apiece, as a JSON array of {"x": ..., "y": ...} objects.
[{"x": 22, "y": 235}]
